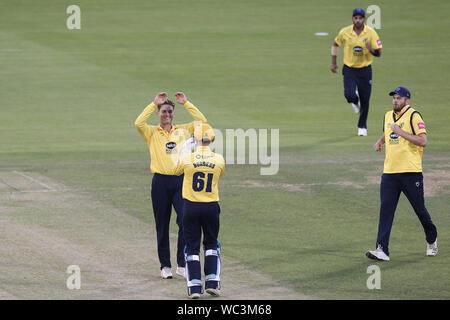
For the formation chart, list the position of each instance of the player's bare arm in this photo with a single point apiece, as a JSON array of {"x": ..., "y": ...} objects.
[
  {"x": 419, "y": 140},
  {"x": 141, "y": 121},
  {"x": 334, "y": 50},
  {"x": 378, "y": 146}
]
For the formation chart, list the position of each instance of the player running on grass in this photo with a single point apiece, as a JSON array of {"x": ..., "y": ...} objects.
[{"x": 361, "y": 44}]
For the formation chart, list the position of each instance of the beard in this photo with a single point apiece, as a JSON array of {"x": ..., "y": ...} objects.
[{"x": 399, "y": 107}]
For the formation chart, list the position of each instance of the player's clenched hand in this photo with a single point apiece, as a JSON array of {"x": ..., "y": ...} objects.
[
  {"x": 378, "y": 146},
  {"x": 368, "y": 45},
  {"x": 180, "y": 97},
  {"x": 334, "y": 68},
  {"x": 160, "y": 98},
  {"x": 396, "y": 129}
]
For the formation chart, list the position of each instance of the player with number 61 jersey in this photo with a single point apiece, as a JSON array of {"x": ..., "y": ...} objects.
[{"x": 202, "y": 170}]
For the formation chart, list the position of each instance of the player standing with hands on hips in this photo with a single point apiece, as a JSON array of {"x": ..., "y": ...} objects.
[
  {"x": 361, "y": 44},
  {"x": 405, "y": 137},
  {"x": 164, "y": 143},
  {"x": 202, "y": 170}
]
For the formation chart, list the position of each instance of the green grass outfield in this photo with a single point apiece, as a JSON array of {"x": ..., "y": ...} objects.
[{"x": 69, "y": 98}]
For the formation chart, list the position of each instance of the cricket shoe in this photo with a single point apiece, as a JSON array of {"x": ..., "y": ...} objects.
[
  {"x": 377, "y": 254},
  {"x": 194, "y": 292},
  {"x": 213, "y": 292},
  {"x": 356, "y": 106},
  {"x": 181, "y": 271},
  {"x": 362, "y": 132},
  {"x": 195, "y": 296},
  {"x": 166, "y": 273},
  {"x": 432, "y": 249}
]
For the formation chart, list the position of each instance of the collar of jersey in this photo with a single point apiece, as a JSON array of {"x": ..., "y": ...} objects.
[
  {"x": 362, "y": 32},
  {"x": 402, "y": 112},
  {"x": 174, "y": 127}
]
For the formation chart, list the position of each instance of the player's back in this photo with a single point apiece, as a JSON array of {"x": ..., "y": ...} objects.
[{"x": 202, "y": 170}]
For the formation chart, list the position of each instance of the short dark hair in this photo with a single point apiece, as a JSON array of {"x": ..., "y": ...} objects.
[{"x": 168, "y": 102}]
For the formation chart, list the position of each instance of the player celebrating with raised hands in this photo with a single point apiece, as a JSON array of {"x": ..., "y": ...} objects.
[{"x": 164, "y": 143}]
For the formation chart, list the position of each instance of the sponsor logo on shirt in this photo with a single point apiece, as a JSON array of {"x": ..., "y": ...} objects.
[
  {"x": 393, "y": 135},
  {"x": 421, "y": 125},
  {"x": 199, "y": 156},
  {"x": 357, "y": 51},
  {"x": 379, "y": 42},
  {"x": 393, "y": 138},
  {"x": 171, "y": 147}
]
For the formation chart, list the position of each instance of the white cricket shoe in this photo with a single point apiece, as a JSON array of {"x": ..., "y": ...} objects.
[
  {"x": 166, "y": 273},
  {"x": 362, "y": 132},
  {"x": 377, "y": 254},
  {"x": 181, "y": 271},
  {"x": 356, "y": 106},
  {"x": 213, "y": 292},
  {"x": 432, "y": 249},
  {"x": 195, "y": 296}
]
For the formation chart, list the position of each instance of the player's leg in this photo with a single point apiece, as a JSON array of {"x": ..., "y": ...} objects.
[
  {"x": 192, "y": 234},
  {"x": 413, "y": 189},
  {"x": 162, "y": 208},
  {"x": 390, "y": 190},
  {"x": 178, "y": 204},
  {"x": 364, "y": 85},
  {"x": 349, "y": 85},
  {"x": 212, "y": 268}
]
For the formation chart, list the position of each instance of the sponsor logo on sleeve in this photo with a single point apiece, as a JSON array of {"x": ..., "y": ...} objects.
[
  {"x": 421, "y": 125},
  {"x": 379, "y": 42}
]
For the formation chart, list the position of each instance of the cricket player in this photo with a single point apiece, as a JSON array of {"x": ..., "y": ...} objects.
[
  {"x": 164, "y": 143},
  {"x": 202, "y": 170},
  {"x": 361, "y": 44},
  {"x": 405, "y": 137}
]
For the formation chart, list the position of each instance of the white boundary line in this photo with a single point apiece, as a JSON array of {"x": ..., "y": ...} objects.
[{"x": 34, "y": 180}]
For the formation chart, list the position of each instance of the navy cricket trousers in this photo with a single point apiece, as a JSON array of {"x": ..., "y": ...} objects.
[
  {"x": 166, "y": 191},
  {"x": 198, "y": 217},
  {"x": 411, "y": 184},
  {"x": 360, "y": 78}
]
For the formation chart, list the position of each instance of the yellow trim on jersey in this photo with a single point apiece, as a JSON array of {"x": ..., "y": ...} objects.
[
  {"x": 202, "y": 170},
  {"x": 401, "y": 154},
  {"x": 356, "y": 54},
  {"x": 165, "y": 146}
]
